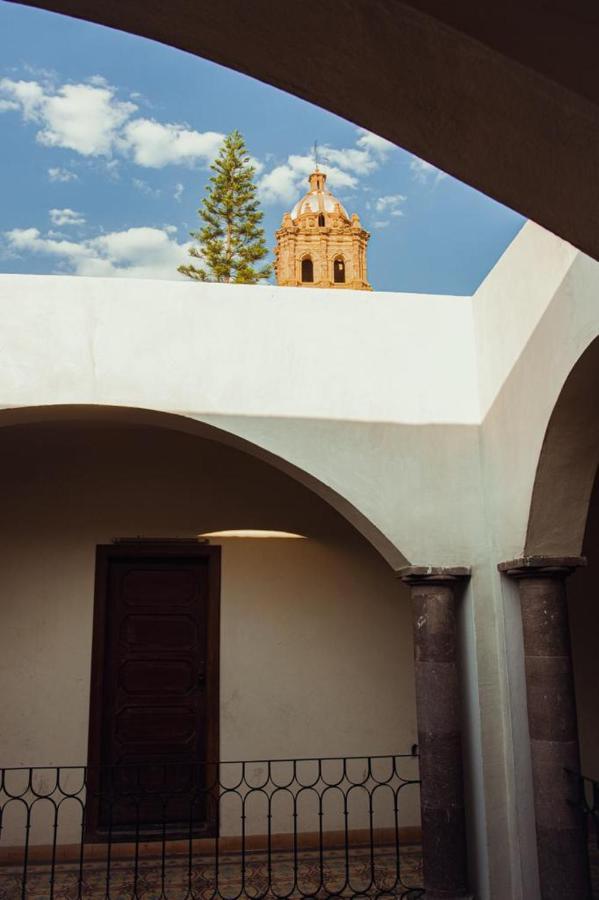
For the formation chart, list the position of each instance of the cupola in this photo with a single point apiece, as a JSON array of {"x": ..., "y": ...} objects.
[{"x": 319, "y": 245}]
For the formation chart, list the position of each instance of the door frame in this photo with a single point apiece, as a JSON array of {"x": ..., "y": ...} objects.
[{"x": 143, "y": 549}]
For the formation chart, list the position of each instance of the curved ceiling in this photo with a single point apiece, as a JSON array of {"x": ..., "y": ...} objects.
[{"x": 504, "y": 96}]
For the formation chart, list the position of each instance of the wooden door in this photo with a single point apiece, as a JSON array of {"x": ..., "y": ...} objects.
[{"x": 154, "y": 698}]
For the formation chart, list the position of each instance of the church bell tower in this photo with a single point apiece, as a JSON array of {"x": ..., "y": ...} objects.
[{"x": 319, "y": 245}]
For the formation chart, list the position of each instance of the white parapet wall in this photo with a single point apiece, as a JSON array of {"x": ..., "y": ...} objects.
[{"x": 236, "y": 349}]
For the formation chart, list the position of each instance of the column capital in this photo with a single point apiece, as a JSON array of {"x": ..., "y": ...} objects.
[
  {"x": 433, "y": 574},
  {"x": 541, "y": 566}
]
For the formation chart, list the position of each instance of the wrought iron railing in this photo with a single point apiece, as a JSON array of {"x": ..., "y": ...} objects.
[{"x": 268, "y": 828}]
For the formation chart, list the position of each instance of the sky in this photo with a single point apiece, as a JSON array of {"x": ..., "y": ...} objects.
[{"x": 106, "y": 141}]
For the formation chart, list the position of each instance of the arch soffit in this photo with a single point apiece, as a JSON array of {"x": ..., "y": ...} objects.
[
  {"x": 175, "y": 422},
  {"x": 567, "y": 464}
]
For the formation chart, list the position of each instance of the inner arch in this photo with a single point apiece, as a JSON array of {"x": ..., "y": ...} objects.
[
  {"x": 567, "y": 464},
  {"x": 173, "y": 422}
]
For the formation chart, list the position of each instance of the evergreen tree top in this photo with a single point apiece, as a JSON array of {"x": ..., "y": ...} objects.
[{"x": 231, "y": 241}]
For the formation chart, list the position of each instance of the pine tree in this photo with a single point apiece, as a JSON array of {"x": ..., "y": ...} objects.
[{"x": 231, "y": 240}]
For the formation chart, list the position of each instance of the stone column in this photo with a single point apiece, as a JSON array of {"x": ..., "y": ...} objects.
[
  {"x": 433, "y": 593},
  {"x": 561, "y": 832}
]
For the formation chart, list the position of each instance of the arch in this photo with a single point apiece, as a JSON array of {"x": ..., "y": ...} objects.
[
  {"x": 339, "y": 270},
  {"x": 417, "y": 63},
  {"x": 567, "y": 465},
  {"x": 307, "y": 273},
  {"x": 188, "y": 425},
  {"x": 321, "y": 220}
]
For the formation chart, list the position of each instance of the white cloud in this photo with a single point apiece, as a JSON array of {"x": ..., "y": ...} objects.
[
  {"x": 390, "y": 204},
  {"x": 155, "y": 145},
  {"x": 374, "y": 143},
  {"x": 279, "y": 185},
  {"x": 256, "y": 165},
  {"x": 24, "y": 95},
  {"x": 98, "y": 81},
  {"x": 56, "y": 173},
  {"x": 144, "y": 188},
  {"x": 80, "y": 117},
  {"x": 178, "y": 192},
  {"x": 424, "y": 172},
  {"x": 358, "y": 161},
  {"x": 90, "y": 119},
  {"x": 134, "y": 253},
  {"x": 285, "y": 182},
  {"x": 336, "y": 177},
  {"x": 30, "y": 240},
  {"x": 66, "y": 216},
  {"x": 83, "y": 118}
]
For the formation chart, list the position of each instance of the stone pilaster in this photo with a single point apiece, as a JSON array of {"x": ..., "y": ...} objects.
[
  {"x": 434, "y": 597},
  {"x": 560, "y": 826}
]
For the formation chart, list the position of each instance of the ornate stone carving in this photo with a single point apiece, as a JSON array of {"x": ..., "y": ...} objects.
[{"x": 318, "y": 227}]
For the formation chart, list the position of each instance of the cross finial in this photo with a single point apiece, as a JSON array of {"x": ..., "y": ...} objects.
[{"x": 316, "y": 155}]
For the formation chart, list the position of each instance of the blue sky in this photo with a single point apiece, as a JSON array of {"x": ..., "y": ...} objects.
[{"x": 106, "y": 141}]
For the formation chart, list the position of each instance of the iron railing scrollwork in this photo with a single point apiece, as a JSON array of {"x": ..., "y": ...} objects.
[{"x": 343, "y": 826}]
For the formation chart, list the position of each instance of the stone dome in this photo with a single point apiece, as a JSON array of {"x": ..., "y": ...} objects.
[{"x": 318, "y": 199}]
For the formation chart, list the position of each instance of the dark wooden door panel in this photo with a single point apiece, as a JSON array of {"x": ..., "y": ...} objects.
[
  {"x": 148, "y": 676},
  {"x": 154, "y": 706},
  {"x": 152, "y": 585}
]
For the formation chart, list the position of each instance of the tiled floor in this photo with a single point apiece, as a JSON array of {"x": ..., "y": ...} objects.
[
  {"x": 179, "y": 881},
  {"x": 360, "y": 875}
]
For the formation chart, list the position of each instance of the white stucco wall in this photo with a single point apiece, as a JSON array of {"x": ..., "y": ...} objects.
[
  {"x": 510, "y": 302},
  {"x": 236, "y": 350},
  {"x": 420, "y": 419},
  {"x": 395, "y": 383}
]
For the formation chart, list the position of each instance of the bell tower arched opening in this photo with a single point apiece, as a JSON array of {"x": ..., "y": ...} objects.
[
  {"x": 339, "y": 270},
  {"x": 307, "y": 270}
]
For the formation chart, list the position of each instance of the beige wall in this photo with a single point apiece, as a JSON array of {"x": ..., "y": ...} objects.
[{"x": 316, "y": 650}]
